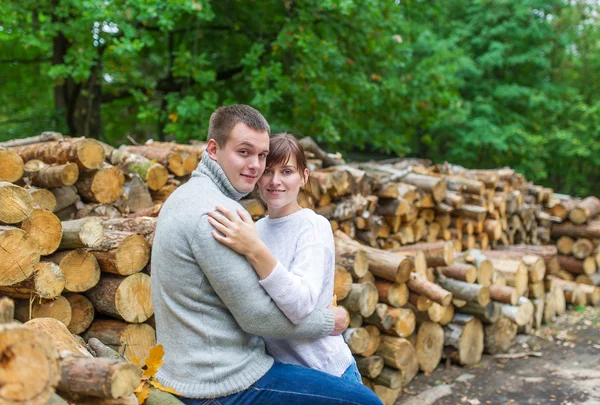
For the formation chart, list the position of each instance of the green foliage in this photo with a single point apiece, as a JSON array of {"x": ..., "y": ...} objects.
[{"x": 482, "y": 83}]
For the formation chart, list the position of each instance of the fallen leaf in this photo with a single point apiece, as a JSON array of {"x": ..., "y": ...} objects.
[{"x": 161, "y": 387}]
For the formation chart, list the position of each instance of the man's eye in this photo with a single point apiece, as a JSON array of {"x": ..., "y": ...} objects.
[
  {"x": 262, "y": 155},
  {"x": 243, "y": 152}
]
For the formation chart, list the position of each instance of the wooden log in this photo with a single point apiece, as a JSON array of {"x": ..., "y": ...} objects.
[
  {"x": 465, "y": 291},
  {"x": 374, "y": 340},
  {"x": 81, "y": 233},
  {"x": 591, "y": 292},
  {"x": 154, "y": 174},
  {"x": 16, "y": 204},
  {"x": 19, "y": 255},
  {"x": 521, "y": 313},
  {"x": 584, "y": 210},
  {"x": 41, "y": 174},
  {"x": 103, "y": 186},
  {"x": 459, "y": 271},
  {"x": 430, "y": 290},
  {"x": 82, "y": 313},
  {"x": 390, "y": 378},
  {"x": 357, "y": 339},
  {"x": 368, "y": 278},
  {"x": 536, "y": 266},
  {"x": 30, "y": 366},
  {"x": 7, "y": 310},
  {"x": 514, "y": 272},
  {"x": 43, "y": 198},
  {"x": 342, "y": 283},
  {"x": 147, "y": 212},
  {"x": 65, "y": 197},
  {"x": 429, "y": 346},
  {"x": 357, "y": 263},
  {"x": 45, "y": 228},
  {"x": 86, "y": 152},
  {"x": 136, "y": 195},
  {"x": 393, "y": 294},
  {"x": 536, "y": 290},
  {"x": 362, "y": 299},
  {"x": 380, "y": 317},
  {"x": 386, "y": 395},
  {"x": 172, "y": 160},
  {"x": 420, "y": 302},
  {"x": 488, "y": 314},
  {"x": 89, "y": 400},
  {"x": 473, "y": 212},
  {"x": 504, "y": 294},
  {"x": 47, "y": 281},
  {"x": 576, "y": 266},
  {"x": 370, "y": 366},
  {"x": 403, "y": 322},
  {"x": 123, "y": 253},
  {"x": 254, "y": 207},
  {"x": 80, "y": 268},
  {"x": 465, "y": 338},
  {"x": 436, "y": 254},
  {"x": 538, "y": 314},
  {"x": 11, "y": 166},
  {"x": 383, "y": 264},
  {"x": 590, "y": 230},
  {"x": 582, "y": 248},
  {"x": 132, "y": 340},
  {"x": 58, "y": 309},
  {"x": 499, "y": 336},
  {"x": 485, "y": 269},
  {"x": 399, "y": 353},
  {"x": 465, "y": 185},
  {"x": 126, "y": 298},
  {"x": 356, "y": 320}
]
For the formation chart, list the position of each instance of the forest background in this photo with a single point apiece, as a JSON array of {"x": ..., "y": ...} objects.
[{"x": 481, "y": 83}]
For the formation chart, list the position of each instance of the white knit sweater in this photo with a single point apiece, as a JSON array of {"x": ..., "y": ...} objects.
[{"x": 302, "y": 281}]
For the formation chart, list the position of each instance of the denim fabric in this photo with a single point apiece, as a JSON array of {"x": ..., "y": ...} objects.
[
  {"x": 352, "y": 373},
  {"x": 295, "y": 385}
]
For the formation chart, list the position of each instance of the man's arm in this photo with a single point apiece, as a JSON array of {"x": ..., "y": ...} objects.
[{"x": 234, "y": 280}]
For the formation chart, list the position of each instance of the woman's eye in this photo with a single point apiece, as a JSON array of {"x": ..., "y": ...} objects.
[
  {"x": 287, "y": 172},
  {"x": 267, "y": 171}
]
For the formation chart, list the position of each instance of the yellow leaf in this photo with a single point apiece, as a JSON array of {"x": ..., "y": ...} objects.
[
  {"x": 143, "y": 394},
  {"x": 135, "y": 361},
  {"x": 140, "y": 387},
  {"x": 173, "y": 117},
  {"x": 161, "y": 387},
  {"x": 154, "y": 361},
  {"x": 376, "y": 77}
]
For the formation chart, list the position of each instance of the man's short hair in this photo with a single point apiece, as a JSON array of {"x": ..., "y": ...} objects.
[{"x": 226, "y": 117}]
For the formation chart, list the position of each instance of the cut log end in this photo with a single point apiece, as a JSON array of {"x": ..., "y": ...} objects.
[{"x": 90, "y": 154}]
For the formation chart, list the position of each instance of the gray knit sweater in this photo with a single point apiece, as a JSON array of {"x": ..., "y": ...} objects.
[{"x": 210, "y": 309}]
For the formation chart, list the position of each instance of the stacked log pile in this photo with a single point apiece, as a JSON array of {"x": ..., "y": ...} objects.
[{"x": 433, "y": 261}]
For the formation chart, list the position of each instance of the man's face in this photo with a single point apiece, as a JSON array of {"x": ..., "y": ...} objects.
[{"x": 243, "y": 157}]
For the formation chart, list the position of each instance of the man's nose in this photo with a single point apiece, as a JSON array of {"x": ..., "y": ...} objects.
[{"x": 254, "y": 163}]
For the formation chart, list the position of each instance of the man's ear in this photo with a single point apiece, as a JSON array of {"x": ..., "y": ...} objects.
[{"x": 211, "y": 148}]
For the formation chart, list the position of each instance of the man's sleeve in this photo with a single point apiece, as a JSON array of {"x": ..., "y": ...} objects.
[{"x": 236, "y": 283}]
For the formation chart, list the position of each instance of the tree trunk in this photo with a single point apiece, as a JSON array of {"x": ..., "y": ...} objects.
[
  {"x": 19, "y": 255},
  {"x": 485, "y": 269},
  {"x": 127, "y": 298},
  {"x": 87, "y": 153},
  {"x": 16, "y": 204},
  {"x": 590, "y": 230},
  {"x": 80, "y": 268},
  {"x": 136, "y": 195},
  {"x": 488, "y": 314},
  {"x": 123, "y": 253},
  {"x": 465, "y": 185},
  {"x": 132, "y": 340},
  {"x": 47, "y": 281},
  {"x": 394, "y": 294},
  {"x": 390, "y": 378}
]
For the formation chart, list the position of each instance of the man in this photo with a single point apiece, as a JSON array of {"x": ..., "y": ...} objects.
[{"x": 210, "y": 309}]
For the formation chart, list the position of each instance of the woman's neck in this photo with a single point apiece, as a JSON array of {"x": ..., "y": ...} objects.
[{"x": 283, "y": 211}]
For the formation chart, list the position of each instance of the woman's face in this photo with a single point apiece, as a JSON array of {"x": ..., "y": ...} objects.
[{"x": 279, "y": 187}]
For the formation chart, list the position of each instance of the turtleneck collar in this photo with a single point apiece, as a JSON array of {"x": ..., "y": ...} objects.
[{"x": 211, "y": 169}]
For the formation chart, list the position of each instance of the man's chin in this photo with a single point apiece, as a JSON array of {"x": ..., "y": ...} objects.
[{"x": 244, "y": 188}]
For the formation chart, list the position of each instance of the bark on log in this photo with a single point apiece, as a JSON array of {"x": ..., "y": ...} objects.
[
  {"x": 170, "y": 159},
  {"x": 132, "y": 340},
  {"x": 583, "y": 211},
  {"x": 30, "y": 370},
  {"x": 48, "y": 176},
  {"x": 58, "y": 309},
  {"x": 485, "y": 269},
  {"x": 390, "y": 378},
  {"x": 370, "y": 366},
  {"x": 465, "y": 291},
  {"x": 47, "y": 281},
  {"x": 19, "y": 254},
  {"x": 362, "y": 299},
  {"x": 103, "y": 186},
  {"x": 380, "y": 317},
  {"x": 86, "y": 152},
  {"x": 394, "y": 294},
  {"x": 403, "y": 322},
  {"x": 499, "y": 336},
  {"x": 357, "y": 339},
  {"x": 136, "y": 195},
  {"x": 16, "y": 204},
  {"x": 420, "y": 302},
  {"x": 576, "y": 266},
  {"x": 488, "y": 314},
  {"x": 11, "y": 166},
  {"x": 430, "y": 290},
  {"x": 465, "y": 185},
  {"x": 436, "y": 254},
  {"x": 81, "y": 233},
  {"x": 357, "y": 263},
  {"x": 429, "y": 346},
  {"x": 154, "y": 174},
  {"x": 80, "y": 269},
  {"x": 387, "y": 395},
  {"x": 459, "y": 271},
  {"x": 65, "y": 197},
  {"x": 374, "y": 341},
  {"x": 127, "y": 298},
  {"x": 123, "y": 253},
  {"x": 590, "y": 230},
  {"x": 383, "y": 264},
  {"x": 514, "y": 271},
  {"x": 45, "y": 228},
  {"x": 504, "y": 294},
  {"x": 399, "y": 353},
  {"x": 521, "y": 313},
  {"x": 465, "y": 335}
]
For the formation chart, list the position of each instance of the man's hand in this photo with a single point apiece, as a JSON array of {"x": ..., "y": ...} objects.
[{"x": 342, "y": 319}]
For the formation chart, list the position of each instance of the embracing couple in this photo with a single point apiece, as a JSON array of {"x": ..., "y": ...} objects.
[{"x": 242, "y": 309}]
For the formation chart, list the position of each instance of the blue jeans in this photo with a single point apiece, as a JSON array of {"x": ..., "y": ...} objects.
[
  {"x": 295, "y": 385},
  {"x": 352, "y": 374}
]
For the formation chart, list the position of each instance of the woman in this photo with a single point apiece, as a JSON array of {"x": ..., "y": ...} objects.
[{"x": 292, "y": 251}]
